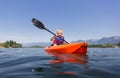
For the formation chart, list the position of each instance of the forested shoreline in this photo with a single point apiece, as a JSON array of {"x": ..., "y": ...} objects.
[{"x": 10, "y": 44}]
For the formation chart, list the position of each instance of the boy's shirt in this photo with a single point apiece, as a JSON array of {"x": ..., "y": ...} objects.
[{"x": 58, "y": 40}]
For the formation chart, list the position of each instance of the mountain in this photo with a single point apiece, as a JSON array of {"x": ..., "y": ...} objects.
[
  {"x": 36, "y": 44},
  {"x": 104, "y": 40}
]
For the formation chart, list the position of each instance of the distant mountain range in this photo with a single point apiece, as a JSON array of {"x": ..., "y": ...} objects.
[
  {"x": 36, "y": 44},
  {"x": 104, "y": 40}
]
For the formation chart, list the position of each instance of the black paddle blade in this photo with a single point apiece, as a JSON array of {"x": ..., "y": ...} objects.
[{"x": 37, "y": 23}]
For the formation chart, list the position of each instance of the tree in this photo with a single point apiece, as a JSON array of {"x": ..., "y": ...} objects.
[
  {"x": 12, "y": 44},
  {"x": 119, "y": 44}
]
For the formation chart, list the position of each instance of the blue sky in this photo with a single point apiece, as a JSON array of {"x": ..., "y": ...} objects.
[{"x": 79, "y": 19}]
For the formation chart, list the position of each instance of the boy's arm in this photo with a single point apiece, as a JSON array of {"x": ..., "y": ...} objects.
[{"x": 53, "y": 38}]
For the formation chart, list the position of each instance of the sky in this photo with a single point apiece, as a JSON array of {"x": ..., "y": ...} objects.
[{"x": 79, "y": 19}]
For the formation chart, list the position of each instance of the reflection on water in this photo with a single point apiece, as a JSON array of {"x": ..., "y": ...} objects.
[
  {"x": 58, "y": 60},
  {"x": 61, "y": 64},
  {"x": 71, "y": 58}
]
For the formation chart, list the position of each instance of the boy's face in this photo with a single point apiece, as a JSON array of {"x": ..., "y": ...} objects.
[{"x": 59, "y": 33}]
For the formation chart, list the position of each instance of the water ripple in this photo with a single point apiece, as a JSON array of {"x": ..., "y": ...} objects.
[{"x": 35, "y": 63}]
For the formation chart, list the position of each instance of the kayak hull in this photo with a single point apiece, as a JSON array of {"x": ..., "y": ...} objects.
[{"x": 73, "y": 48}]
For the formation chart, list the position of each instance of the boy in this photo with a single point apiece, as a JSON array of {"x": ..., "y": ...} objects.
[{"x": 58, "y": 39}]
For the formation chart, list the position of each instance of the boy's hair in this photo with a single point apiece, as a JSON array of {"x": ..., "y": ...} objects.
[{"x": 59, "y": 30}]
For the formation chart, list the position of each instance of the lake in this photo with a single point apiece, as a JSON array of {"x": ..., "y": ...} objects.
[{"x": 36, "y": 63}]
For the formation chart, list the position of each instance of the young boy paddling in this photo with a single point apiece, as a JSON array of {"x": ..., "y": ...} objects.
[{"x": 58, "y": 39}]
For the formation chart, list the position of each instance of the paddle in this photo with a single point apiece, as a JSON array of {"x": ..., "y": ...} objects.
[{"x": 40, "y": 25}]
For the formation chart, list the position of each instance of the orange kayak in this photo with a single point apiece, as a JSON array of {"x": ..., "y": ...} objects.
[{"x": 73, "y": 48}]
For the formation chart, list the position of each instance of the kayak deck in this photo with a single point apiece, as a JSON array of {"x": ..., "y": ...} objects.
[{"x": 73, "y": 48}]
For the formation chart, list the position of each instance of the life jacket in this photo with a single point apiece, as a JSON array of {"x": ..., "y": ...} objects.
[{"x": 58, "y": 40}]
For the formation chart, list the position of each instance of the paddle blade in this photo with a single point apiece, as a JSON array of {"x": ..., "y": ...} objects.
[{"x": 37, "y": 23}]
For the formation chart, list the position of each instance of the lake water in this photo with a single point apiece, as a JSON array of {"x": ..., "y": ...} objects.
[{"x": 36, "y": 63}]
